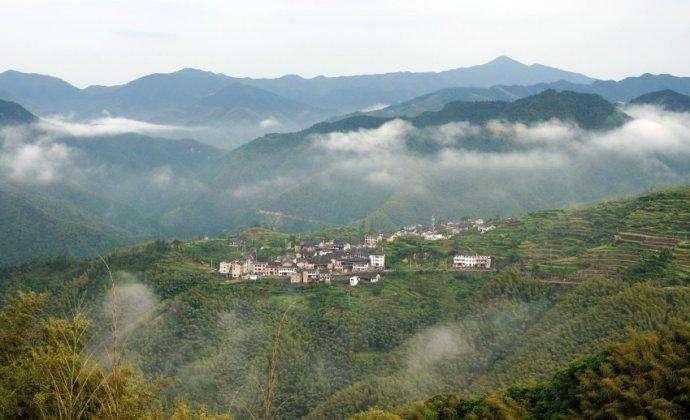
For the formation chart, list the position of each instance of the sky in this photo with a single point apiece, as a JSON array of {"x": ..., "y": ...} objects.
[{"x": 110, "y": 42}]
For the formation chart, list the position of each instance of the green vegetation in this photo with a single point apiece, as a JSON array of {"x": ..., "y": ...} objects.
[
  {"x": 588, "y": 111},
  {"x": 647, "y": 376},
  {"x": 34, "y": 223},
  {"x": 666, "y": 99},
  {"x": 208, "y": 343}
]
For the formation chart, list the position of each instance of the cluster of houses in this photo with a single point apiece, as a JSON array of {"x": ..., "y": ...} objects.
[
  {"x": 443, "y": 230},
  {"x": 320, "y": 262},
  {"x": 315, "y": 263}
]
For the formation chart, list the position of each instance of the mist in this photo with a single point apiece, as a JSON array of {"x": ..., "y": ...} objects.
[
  {"x": 106, "y": 126},
  {"x": 382, "y": 157}
]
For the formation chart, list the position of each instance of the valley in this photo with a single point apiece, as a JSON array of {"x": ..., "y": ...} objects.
[
  {"x": 421, "y": 330},
  {"x": 500, "y": 240}
]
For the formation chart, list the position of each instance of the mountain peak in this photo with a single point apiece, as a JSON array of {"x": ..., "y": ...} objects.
[
  {"x": 503, "y": 60},
  {"x": 11, "y": 113},
  {"x": 667, "y": 99}
]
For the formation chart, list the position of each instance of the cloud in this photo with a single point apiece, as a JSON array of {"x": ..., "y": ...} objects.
[
  {"x": 270, "y": 122},
  {"x": 105, "y": 126},
  {"x": 374, "y": 107},
  {"x": 652, "y": 130},
  {"x": 37, "y": 161},
  {"x": 386, "y": 138},
  {"x": 382, "y": 157}
]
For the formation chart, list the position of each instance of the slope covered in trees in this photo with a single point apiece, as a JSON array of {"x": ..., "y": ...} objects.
[
  {"x": 666, "y": 99},
  {"x": 421, "y": 331},
  {"x": 647, "y": 376},
  {"x": 38, "y": 224}
]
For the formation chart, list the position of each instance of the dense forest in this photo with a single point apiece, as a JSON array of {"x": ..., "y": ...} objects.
[{"x": 536, "y": 337}]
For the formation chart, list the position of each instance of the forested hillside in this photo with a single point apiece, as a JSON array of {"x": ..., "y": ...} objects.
[
  {"x": 568, "y": 284},
  {"x": 646, "y": 376},
  {"x": 665, "y": 99},
  {"x": 470, "y": 158},
  {"x": 35, "y": 223}
]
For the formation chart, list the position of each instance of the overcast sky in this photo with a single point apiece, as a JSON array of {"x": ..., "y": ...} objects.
[{"x": 109, "y": 41}]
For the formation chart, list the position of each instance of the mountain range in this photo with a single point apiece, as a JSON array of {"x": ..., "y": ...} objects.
[
  {"x": 621, "y": 91},
  {"x": 379, "y": 171},
  {"x": 227, "y": 111}
]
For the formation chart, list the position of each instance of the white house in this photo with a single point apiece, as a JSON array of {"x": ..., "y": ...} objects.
[
  {"x": 286, "y": 271},
  {"x": 377, "y": 262},
  {"x": 371, "y": 240},
  {"x": 224, "y": 267},
  {"x": 432, "y": 236},
  {"x": 484, "y": 229},
  {"x": 472, "y": 261},
  {"x": 359, "y": 266},
  {"x": 354, "y": 280}
]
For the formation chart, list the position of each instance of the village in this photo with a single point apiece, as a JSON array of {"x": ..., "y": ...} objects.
[{"x": 327, "y": 261}]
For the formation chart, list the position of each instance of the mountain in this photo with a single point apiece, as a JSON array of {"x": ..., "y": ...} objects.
[
  {"x": 583, "y": 388},
  {"x": 12, "y": 113},
  {"x": 469, "y": 158},
  {"x": 35, "y": 223},
  {"x": 216, "y": 108},
  {"x": 115, "y": 189},
  {"x": 567, "y": 285},
  {"x": 588, "y": 111},
  {"x": 620, "y": 91},
  {"x": 666, "y": 99},
  {"x": 407, "y": 169},
  {"x": 504, "y": 70},
  {"x": 349, "y": 93},
  {"x": 238, "y": 109},
  {"x": 36, "y": 91}
]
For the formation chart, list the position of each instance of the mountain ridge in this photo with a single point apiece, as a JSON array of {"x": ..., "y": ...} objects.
[{"x": 667, "y": 99}]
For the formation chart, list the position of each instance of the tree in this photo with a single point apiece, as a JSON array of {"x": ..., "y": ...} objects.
[{"x": 46, "y": 370}]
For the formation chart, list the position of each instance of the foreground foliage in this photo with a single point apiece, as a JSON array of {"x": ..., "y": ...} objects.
[{"x": 647, "y": 376}]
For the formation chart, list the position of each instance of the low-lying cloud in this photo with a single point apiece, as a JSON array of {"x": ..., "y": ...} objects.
[
  {"x": 270, "y": 123},
  {"x": 375, "y": 107},
  {"x": 387, "y": 155},
  {"x": 105, "y": 126},
  {"x": 37, "y": 161}
]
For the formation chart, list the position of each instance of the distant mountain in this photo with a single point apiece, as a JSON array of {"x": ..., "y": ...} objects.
[
  {"x": 221, "y": 110},
  {"x": 621, "y": 91},
  {"x": 466, "y": 158},
  {"x": 434, "y": 101},
  {"x": 505, "y": 70},
  {"x": 110, "y": 191},
  {"x": 12, "y": 113},
  {"x": 666, "y": 99},
  {"x": 235, "y": 109},
  {"x": 155, "y": 176},
  {"x": 36, "y": 91},
  {"x": 349, "y": 93},
  {"x": 588, "y": 111}
]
